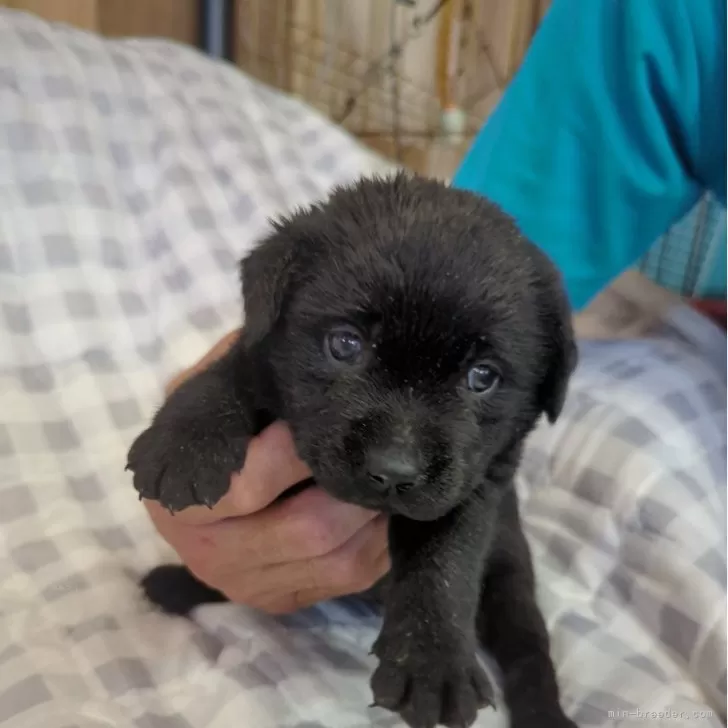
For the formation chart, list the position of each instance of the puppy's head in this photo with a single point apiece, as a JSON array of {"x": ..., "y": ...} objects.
[{"x": 413, "y": 337}]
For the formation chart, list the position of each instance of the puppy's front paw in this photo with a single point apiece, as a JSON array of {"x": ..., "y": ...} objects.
[
  {"x": 182, "y": 461},
  {"x": 429, "y": 683}
]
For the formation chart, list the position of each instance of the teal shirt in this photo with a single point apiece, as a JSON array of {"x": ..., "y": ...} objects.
[{"x": 609, "y": 133}]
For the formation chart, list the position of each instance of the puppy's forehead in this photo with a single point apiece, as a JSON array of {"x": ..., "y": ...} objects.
[
  {"x": 430, "y": 263},
  {"x": 422, "y": 307},
  {"x": 418, "y": 275}
]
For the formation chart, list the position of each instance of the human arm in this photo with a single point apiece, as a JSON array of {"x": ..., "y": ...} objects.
[{"x": 609, "y": 132}]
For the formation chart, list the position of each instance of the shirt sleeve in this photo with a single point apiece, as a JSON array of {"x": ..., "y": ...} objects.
[{"x": 609, "y": 132}]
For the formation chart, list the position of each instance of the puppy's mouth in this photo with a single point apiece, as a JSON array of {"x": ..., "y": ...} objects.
[
  {"x": 400, "y": 505},
  {"x": 349, "y": 476},
  {"x": 415, "y": 502}
]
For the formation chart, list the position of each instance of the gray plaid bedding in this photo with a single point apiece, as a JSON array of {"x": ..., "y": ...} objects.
[{"x": 132, "y": 175}]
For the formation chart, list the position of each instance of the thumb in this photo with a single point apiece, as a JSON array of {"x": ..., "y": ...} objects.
[{"x": 271, "y": 467}]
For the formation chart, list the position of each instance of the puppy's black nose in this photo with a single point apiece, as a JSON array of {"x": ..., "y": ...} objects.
[{"x": 391, "y": 468}]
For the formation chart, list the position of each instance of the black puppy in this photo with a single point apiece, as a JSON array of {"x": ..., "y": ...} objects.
[{"x": 411, "y": 338}]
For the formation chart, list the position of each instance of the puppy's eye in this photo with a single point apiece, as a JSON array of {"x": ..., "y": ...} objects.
[
  {"x": 483, "y": 378},
  {"x": 344, "y": 345}
]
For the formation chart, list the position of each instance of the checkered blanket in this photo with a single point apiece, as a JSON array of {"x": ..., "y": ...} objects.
[{"x": 132, "y": 175}]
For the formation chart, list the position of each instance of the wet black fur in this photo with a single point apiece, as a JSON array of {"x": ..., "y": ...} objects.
[{"x": 435, "y": 279}]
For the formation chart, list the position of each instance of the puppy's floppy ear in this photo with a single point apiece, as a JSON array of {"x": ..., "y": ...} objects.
[
  {"x": 561, "y": 351},
  {"x": 265, "y": 275}
]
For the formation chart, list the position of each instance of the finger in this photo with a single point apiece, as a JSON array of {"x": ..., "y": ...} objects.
[
  {"x": 217, "y": 351},
  {"x": 352, "y": 568},
  {"x": 296, "y": 530},
  {"x": 309, "y": 525},
  {"x": 271, "y": 467}
]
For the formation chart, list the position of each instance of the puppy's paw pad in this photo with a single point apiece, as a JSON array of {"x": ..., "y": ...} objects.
[
  {"x": 181, "y": 464},
  {"x": 428, "y": 690}
]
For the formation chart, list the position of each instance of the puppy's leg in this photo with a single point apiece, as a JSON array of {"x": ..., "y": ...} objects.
[
  {"x": 428, "y": 671},
  {"x": 512, "y": 628},
  {"x": 198, "y": 438},
  {"x": 177, "y": 591}
]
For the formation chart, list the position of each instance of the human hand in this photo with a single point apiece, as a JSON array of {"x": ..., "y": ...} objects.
[{"x": 275, "y": 556}]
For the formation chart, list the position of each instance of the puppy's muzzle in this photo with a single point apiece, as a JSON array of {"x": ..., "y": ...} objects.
[{"x": 392, "y": 469}]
